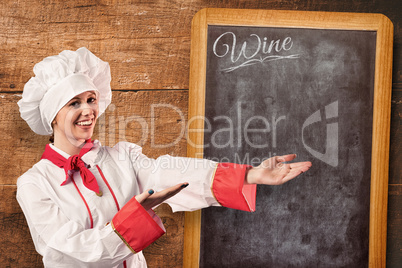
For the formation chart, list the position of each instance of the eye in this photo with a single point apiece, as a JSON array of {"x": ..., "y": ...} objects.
[
  {"x": 75, "y": 104},
  {"x": 92, "y": 100}
]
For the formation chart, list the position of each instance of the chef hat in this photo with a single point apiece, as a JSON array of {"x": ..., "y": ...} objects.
[{"x": 58, "y": 79}]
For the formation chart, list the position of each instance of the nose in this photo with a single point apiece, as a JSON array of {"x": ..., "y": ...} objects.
[{"x": 87, "y": 110}]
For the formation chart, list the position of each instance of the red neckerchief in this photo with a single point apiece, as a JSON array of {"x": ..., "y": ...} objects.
[{"x": 73, "y": 163}]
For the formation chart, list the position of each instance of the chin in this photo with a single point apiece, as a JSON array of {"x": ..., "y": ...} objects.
[
  {"x": 86, "y": 137},
  {"x": 83, "y": 137}
]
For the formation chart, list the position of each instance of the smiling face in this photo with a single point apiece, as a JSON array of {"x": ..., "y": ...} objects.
[{"x": 75, "y": 122}]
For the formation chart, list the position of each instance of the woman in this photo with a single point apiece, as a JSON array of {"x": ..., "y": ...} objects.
[{"x": 88, "y": 205}]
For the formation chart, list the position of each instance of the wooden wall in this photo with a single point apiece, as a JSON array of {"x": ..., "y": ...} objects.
[{"x": 147, "y": 44}]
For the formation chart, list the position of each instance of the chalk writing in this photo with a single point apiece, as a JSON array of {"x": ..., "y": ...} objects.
[{"x": 250, "y": 54}]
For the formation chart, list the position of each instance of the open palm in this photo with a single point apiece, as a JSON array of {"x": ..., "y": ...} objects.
[{"x": 276, "y": 170}]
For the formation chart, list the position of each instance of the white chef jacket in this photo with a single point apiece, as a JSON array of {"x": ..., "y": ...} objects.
[{"x": 69, "y": 224}]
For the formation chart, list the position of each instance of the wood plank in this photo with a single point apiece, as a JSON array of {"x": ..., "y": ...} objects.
[
  {"x": 394, "y": 241},
  {"x": 167, "y": 251},
  {"x": 395, "y": 153},
  {"x": 129, "y": 70},
  {"x": 18, "y": 250},
  {"x": 153, "y": 119},
  {"x": 143, "y": 41},
  {"x": 148, "y": 45},
  {"x": 21, "y": 145}
]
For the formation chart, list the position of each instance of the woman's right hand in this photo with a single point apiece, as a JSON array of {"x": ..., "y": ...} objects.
[{"x": 150, "y": 199}]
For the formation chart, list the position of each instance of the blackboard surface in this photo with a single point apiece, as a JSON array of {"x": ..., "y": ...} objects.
[{"x": 273, "y": 91}]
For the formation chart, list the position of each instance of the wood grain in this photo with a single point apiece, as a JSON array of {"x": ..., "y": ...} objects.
[
  {"x": 394, "y": 242},
  {"x": 148, "y": 46},
  {"x": 395, "y": 156},
  {"x": 143, "y": 41},
  {"x": 159, "y": 116},
  {"x": 153, "y": 119},
  {"x": 380, "y": 144},
  {"x": 17, "y": 249}
]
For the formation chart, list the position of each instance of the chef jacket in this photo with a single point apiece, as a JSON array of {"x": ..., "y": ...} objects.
[{"x": 72, "y": 226}]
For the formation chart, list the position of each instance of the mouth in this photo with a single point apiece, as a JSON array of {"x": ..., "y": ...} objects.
[{"x": 85, "y": 123}]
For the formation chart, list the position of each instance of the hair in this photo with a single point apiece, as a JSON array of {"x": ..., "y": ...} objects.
[{"x": 51, "y": 138}]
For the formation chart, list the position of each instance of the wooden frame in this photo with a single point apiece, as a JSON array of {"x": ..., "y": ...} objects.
[{"x": 381, "y": 112}]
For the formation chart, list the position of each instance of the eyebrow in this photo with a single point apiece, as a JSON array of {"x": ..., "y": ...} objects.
[
  {"x": 73, "y": 100},
  {"x": 92, "y": 93}
]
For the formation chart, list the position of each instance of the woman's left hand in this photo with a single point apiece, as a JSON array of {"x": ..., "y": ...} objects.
[
  {"x": 274, "y": 171},
  {"x": 149, "y": 199}
]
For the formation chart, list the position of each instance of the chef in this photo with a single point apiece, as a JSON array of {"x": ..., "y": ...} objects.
[{"x": 88, "y": 205}]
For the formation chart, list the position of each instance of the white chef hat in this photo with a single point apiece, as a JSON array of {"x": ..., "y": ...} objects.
[{"x": 58, "y": 79}]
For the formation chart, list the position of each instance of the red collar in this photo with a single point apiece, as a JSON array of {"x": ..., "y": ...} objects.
[{"x": 73, "y": 163}]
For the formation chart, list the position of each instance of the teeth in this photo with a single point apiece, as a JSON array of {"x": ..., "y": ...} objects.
[{"x": 84, "y": 123}]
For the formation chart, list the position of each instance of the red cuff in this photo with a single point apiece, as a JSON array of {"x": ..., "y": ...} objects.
[
  {"x": 229, "y": 188},
  {"x": 135, "y": 226}
]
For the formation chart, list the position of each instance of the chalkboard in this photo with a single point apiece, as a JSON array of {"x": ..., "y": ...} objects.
[{"x": 267, "y": 89}]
